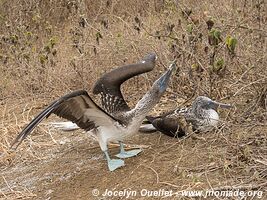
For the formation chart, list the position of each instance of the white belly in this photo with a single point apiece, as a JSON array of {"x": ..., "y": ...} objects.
[
  {"x": 214, "y": 118},
  {"x": 111, "y": 134},
  {"x": 210, "y": 123},
  {"x": 117, "y": 132}
]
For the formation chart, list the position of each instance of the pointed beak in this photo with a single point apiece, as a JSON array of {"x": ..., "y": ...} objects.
[
  {"x": 222, "y": 105},
  {"x": 164, "y": 79}
]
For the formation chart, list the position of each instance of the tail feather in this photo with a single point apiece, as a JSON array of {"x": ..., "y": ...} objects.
[
  {"x": 147, "y": 128},
  {"x": 65, "y": 126}
]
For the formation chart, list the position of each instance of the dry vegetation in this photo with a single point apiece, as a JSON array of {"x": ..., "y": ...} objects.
[{"x": 49, "y": 48}]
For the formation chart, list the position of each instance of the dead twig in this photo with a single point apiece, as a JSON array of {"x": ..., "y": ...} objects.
[{"x": 241, "y": 187}]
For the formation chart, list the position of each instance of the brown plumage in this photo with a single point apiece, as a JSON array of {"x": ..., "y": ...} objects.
[
  {"x": 169, "y": 125},
  {"x": 73, "y": 107},
  {"x": 108, "y": 86}
]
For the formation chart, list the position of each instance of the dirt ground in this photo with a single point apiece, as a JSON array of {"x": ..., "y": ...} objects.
[
  {"x": 49, "y": 48},
  {"x": 70, "y": 165}
]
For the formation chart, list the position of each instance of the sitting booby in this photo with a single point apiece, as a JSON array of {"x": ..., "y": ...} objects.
[
  {"x": 115, "y": 121},
  {"x": 202, "y": 116}
]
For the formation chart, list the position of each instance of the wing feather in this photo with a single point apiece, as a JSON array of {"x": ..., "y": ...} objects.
[
  {"x": 77, "y": 107},
  {"x": 169, "y": 123},
  {"x": 109, "y": 84},
  {"x": 168, "y": 126}
]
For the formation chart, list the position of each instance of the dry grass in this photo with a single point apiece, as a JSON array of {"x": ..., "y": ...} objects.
[{"x": 49, "y": 48}]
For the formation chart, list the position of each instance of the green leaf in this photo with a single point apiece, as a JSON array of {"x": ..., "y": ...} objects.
[
  {"x": 227, "y": 41},
  {"x": 189, "y": 28},
  {"x": 231, "y": 43},
  {"x": 214, "y": 37},
  {"x": 14, "y": 39},
  {"x": 98, "y": 35},
  {"x": 195, "y": 67},
  {"x": 218, "y": 65},
  {"x": 28, "y": 34},
  {"x": 217, "y": 34},
  {"x": 43, "y": 58},
  {"x": 53, "y": 41}
]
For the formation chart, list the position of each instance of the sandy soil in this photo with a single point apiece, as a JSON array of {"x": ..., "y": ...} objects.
[{"x": 74, "y": 167}]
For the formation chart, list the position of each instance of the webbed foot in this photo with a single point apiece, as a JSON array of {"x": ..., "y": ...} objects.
[
  {"x": 114, "y": 164},
  {"x": 128, "y": 154}
]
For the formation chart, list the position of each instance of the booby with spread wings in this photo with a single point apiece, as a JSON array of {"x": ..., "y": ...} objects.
[{"x": 114, "y": 121}]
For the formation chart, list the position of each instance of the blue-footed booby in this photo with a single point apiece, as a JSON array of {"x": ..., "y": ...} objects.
[
  {"x": 202, "y": 116},
  {"x": 115, "y": 121}
]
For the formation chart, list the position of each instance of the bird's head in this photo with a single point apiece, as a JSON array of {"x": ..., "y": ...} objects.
[
  {"x": 161, "y": 84},
  {"x": 151, "y": 98},
  {"x": 206, "y": 103}
]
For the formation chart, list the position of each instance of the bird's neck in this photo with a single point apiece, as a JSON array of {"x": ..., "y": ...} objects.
[{"x": 144, "y": 106}]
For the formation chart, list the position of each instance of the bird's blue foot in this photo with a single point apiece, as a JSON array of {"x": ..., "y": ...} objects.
[
  {"x": 114, "y": 164},
  {"x": 128, "y": 154}
]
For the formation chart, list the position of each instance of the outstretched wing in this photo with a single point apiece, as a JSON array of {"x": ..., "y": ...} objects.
[
  {"x": 108, "y": 86},
  {"x": 77, "y": 107}
]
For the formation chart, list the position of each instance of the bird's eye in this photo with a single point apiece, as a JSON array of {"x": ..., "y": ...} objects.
[{"x": 209, "y": 102}]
